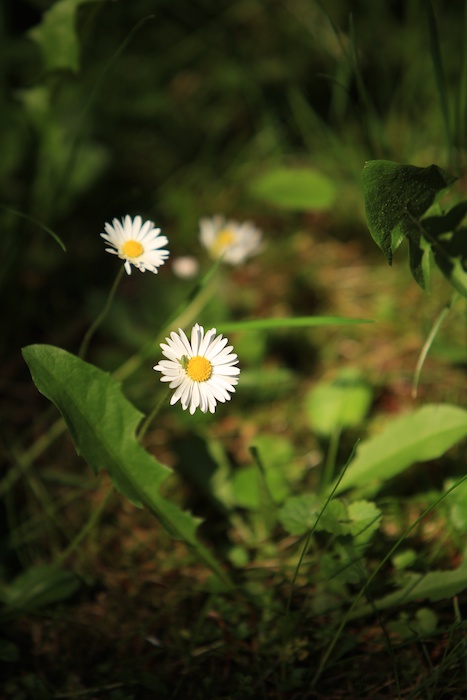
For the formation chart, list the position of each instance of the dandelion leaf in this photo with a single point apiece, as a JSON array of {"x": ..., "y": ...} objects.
[{"x": 102, "y": 424}]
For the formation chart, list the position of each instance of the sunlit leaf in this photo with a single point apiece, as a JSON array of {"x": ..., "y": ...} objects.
[
  {"x": 57, "y": 37},
  {"x": 276, "y": 455},
  {"x": 296, "y": 189},
  {"x": 341, "y": 403},
  {"x": 102, "y": 423},
  {"x": 420, "y": 436}
]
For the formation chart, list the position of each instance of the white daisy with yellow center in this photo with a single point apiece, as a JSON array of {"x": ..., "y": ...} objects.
[
  {"x": 136, "y": 243},
  {"x": 202, "y": 371},
  {"x": 230, "y": 240}
]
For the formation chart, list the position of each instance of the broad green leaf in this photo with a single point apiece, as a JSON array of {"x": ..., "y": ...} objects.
[
  {"x": 396, "y": 195},
  {"x": 435, "y": 585},
  {"x": 102, "y": 423},
  {"x": 341, "y": 403},
  {"x": 296, "y": 189},
  {"x": 420, "y": 436},
  {"x": 57, "y": 37},
  {"x": 38, "y": 586}
]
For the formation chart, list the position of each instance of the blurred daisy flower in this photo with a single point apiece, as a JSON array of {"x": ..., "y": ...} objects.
[
  {"x": 136, "y": 243},
  {"x": 227, "y": 238},
  {"x": 202, "y": 371}
]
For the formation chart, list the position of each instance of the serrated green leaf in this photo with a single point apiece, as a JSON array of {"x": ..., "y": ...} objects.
[
  {"x": 57, "y": 37},
  {"x": 102, "y": 423},
  {"x": 420, "y": 436},
  {"x": 295, "y": 189}
]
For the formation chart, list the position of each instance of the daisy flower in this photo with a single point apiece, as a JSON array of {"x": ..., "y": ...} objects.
[
  {"x": 202, "y": 371},
  {"x": 227, "y": 238},
  {"x": 136, "y": 243}
]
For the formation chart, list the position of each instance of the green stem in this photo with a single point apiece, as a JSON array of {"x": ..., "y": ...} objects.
[
  {"x": 94, "y": 326},
  {"x": 149, "y": 419},
  {"x": 331, "y": 456},
  {"x": 429, "y": 341},
  {"x": 185, "y": 313}
]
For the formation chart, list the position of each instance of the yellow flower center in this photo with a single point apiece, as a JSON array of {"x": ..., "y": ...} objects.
[
  {"x": 199, "y": 368},
  {"x": 224, "y": 239},
  {"x": 132, "y": 249}
]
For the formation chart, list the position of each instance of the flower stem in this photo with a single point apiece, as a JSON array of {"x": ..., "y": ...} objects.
[
  {"x": 185, "y": 313},
  {"x": 148, "y": 420},
  {"x": 95, "y": 325},
  {"x": 429, "y": 341}
]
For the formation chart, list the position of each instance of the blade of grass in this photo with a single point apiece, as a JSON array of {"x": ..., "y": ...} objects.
[
  {"x": 37, "y": 223},
  {"x": 310, "y": 533},
  {"x": 363, "y": 590},
  {"x": 293, "y": 322}
]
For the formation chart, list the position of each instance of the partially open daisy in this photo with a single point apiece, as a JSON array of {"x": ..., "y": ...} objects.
[
  {"x": 136, "y": 243},
  {"x": 202, "y": 371},
  {"x": 227, "y": 238}
]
